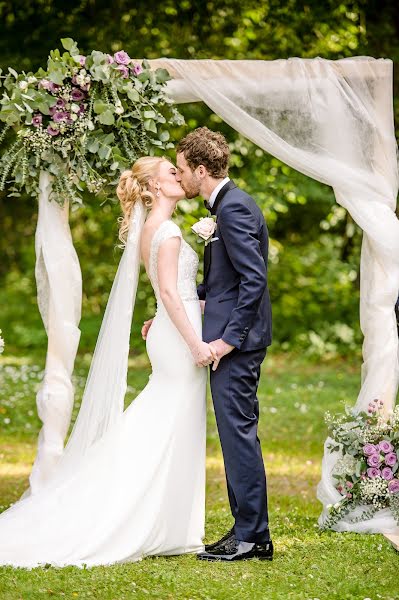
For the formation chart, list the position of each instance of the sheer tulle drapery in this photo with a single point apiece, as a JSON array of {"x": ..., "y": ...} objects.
[
  {"x": 103, "y": 398},
  {"x": 59, "y": 294}
]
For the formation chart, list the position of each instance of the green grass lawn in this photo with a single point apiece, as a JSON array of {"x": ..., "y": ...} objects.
[{"x": 308, "y": 564}]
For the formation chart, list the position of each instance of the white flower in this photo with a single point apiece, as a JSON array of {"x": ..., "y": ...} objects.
[
  {"x": 75, "y": 107},
  {"x": 90, "y": 125},
  {"x": 345, "y": 465},
  {"x": 32, "y": 79},
  {"x": 119, "y": 110},
  {"x": 74, "y": 117},
  {"x": 23, "y": 85},
  {"x": 204, "y": 228},
  {"x": 1, "y": 343}
]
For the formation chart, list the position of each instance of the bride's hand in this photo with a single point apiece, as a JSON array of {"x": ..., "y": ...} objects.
[
  {"x": 202, "y": 305},
  {"x": 203, "y": 354},
  {"x": 145, "y": 329}
]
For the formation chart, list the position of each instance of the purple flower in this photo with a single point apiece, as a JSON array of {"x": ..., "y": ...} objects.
[
  {"x": 60, "y": 103},
  {"x": 77, "y": 95},
  {"x": 385, "y": 446},
  {"x": 349, "y": 495},
  {"x": 390, "y": 459},
  {"x": 110, "y": 59},
  {"x": 124, "y": 70},
  {"x": 52, "y": 110},
  {"x": 52, "y": 131},
  {"x": 373, "y": 460},
  {"x": 373, "y": 472},
  {"x": 122, "y": 57},
  {"x": 137, "y": 69},
  {"x": 386, "y": 473},
  {"x": 393, "y": 486},
  {"x": 53, "y": 87},
  {"x": 349, "y": 485},
  {"x": 369, "y": 449},
  {"x": 82, "y": 60},
  {"x": 37, "y": 120},
  {"x": 82, "y": 108},
  {"x": 58, "y": 117}
]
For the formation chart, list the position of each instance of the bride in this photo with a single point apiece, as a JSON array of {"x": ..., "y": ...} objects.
[{"x": 131, "y": 483}]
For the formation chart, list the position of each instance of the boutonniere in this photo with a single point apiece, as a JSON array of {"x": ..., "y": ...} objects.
[{"x": 205, "y": 228}]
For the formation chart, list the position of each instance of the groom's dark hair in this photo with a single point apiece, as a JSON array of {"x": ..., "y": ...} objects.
[{"x": 205, "y": 147}]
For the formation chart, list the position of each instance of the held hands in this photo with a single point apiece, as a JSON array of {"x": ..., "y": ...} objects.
[
  {"x": 220, "y": 348},
  {"x": 203, "y": 354}
]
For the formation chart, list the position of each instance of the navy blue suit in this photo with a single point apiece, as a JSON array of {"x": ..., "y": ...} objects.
[{"x": 238, "y": 310}]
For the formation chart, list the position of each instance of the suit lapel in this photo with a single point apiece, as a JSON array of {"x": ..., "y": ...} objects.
[
  {"x": 208, "y": 252},
  {"x": 230, "y": 185}
]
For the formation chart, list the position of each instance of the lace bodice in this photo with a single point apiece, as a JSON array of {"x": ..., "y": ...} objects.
[{"x": 187, "y": 266}]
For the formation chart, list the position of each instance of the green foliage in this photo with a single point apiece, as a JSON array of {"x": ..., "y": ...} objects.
[{"x": 83, "y": 120}]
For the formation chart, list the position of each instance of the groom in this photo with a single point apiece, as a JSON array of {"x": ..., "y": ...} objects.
[{"x": 237, "y": 323}]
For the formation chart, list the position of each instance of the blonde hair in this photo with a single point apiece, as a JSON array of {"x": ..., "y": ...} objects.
[{"x": 133, "y": 187}]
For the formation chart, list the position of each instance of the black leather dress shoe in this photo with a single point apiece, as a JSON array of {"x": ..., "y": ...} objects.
[
  {"x": 220, "y": 543},
  {"x": 241, "y": 551}
]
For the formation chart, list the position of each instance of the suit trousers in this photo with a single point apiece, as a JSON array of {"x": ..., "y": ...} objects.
[{"x": 234, "y": 387}]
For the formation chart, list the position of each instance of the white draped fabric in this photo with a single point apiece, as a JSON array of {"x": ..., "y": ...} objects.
[
  {"x": 59, "y": 294},
  {"x": 333, "y": 121}
]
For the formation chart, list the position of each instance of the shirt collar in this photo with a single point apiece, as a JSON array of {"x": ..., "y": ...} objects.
[{"x": 217, "y": 189}]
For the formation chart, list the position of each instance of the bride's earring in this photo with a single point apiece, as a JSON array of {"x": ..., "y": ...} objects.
[{"x": 158, "y": 190}]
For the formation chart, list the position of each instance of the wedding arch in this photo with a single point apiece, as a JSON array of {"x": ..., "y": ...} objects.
[{"x": 331, "y": 120}]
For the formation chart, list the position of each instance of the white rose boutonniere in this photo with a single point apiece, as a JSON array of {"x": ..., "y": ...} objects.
[{"x": 205, "y": 228}]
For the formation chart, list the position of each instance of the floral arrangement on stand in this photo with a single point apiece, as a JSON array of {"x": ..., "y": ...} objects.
[
  {"x": 83, "y": 120},
  {"x": 366, "y": 475}
]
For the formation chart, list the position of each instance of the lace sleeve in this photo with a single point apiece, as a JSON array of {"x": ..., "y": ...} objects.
[{"x": 166, "y": 230}]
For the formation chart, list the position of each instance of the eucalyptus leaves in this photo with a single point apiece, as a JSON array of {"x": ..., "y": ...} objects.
[{"x": 84, "y": 119}]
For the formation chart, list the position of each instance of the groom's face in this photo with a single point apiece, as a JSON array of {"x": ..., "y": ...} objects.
[{"x": 189, "y": 180}]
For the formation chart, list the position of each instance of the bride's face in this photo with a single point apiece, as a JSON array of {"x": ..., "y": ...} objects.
[{"x": 169, "y": 181}]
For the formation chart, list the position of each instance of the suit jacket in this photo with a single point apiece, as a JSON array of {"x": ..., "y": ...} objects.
[{"x": 235, "y": 287}]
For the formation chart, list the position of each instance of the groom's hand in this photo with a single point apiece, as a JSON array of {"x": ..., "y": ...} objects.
[
  {"x": 203, "y": 354},
  {"x": 145, "y": 329},
  {"x": 221, "y": 349}
]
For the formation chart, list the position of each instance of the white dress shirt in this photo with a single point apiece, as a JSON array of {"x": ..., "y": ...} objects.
[{"x": 217, "y": 189}]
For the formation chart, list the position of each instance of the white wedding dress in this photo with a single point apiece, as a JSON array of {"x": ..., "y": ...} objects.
[{"x": 139, "y": 490}]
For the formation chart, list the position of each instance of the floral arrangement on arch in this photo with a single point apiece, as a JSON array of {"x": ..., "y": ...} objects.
[
  {"x": 83, "y": 120},
  {"x": 367, "y": 474}
]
